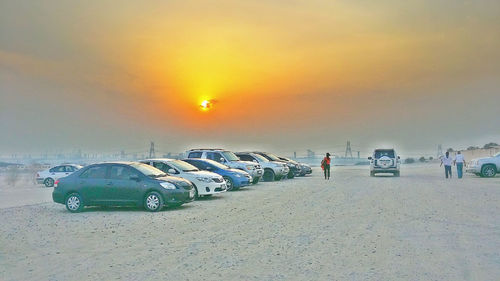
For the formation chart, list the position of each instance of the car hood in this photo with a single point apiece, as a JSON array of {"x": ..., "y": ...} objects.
[
  {"x": 174, "y": 180},
  {"x": 244, "y": 163},
  {"x": 238, "y": 171},
  {"x": 202, "y": 174},
  {"x": 481, "y": 159}
]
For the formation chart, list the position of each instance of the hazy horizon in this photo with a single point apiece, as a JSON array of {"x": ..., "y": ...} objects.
[{"x": 282, "y": 76}]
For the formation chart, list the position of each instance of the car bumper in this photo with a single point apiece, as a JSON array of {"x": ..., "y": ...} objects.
[
  {"x": 211, "y": 188},
  {"x": 385, "y": 170},
  {"x": 241, "y": 182},
  {"x": 177, "y": 196},
  {"x": 40, "y": 180},
  {"x": 256, "y": 173},
  {"x": 57, "y": 197},
  {"x": 473, "y": 169}
]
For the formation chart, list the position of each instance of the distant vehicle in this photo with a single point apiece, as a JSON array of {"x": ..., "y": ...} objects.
[
  {"x": 228, "y": 158},
  {"x": 385, "y": 161},
  {"x": 273, "y": 170},
  {"x": 301, "y": 169},
  {"x": 485, "y": 167},
  {"x": 50, "y": 176},
  {"x": 234, "y": 178},
  {"x": 205, "y": 183},
  {"x": 122, "y": 184},
  {"x": 293, "y": 168}
]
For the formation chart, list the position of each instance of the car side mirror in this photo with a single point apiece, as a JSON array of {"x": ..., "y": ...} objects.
[
  {"x": 172, "y": 171},
  {"x": 134, "y": 177},
  {"x": 255, "y": 161},
  {"x": 370, "y": 158}
]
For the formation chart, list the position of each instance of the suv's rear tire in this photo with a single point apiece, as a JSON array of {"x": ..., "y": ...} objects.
[
  {"x": 74, "y": 203},
  {"x": 372, "y": 174},
  {"x": 153, "y": 201},
  {"x": 488, "y": 171},
  {"x": 268, "y": 175},
  {"x": 396, "y": 174},
  {"x": 49, "y": 182}
]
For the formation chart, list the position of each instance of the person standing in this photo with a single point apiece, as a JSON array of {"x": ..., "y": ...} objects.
[
  {"x": 460, "y": 162},
  {"x": 325, "y": 165},
  {"x": 446, "y": 161}
]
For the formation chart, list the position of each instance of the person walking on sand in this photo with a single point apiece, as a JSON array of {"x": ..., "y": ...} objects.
[
  {"x": 325, "y": 165},
  {"x": 446, "y": 161},
  {"x": 459, "y": 161}
]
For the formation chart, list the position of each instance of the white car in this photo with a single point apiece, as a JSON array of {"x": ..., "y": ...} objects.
[
  {"x": 228, "y": 158},
  {"x": 273, "y": 170},
  {"x": 485, "y": 167},
  {"x": 50, "y": 176},
  {"x": 384, "y": 161},
  {"x": 205, "y": 183}
]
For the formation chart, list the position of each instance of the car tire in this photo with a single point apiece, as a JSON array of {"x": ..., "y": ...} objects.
[
  {"x": 49, "y": 182},
  {"x": 255, "y": 180},
  {"x": 74, "y": 203},
  {"x": 396, "y": 174},
  {"x": 229, "y": 183},
  {"x": 153, "y": 201},
  {"x": 372, "y": 174},
  {"x": 291, "y": 175},
  {"x": 268, "y": 175},
  {"x": 488, "y": 171}
]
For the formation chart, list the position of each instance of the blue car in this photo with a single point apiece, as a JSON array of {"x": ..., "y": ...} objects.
[{"x": 234, "y": 178}]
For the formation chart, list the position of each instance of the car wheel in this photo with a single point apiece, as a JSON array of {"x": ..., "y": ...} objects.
[
  {"x": 153, "y": 202},
  {"x": 268, "y": 175},
  {"x": 372, "y": 174},
  {"x": 255, "y": 181},
  {"x": 49, "y": 182},
  {"x": 488, "y": 171},
  {"x": 229, "y": 183},
  {"x": 74, "y": 203},
  {"x": 396, "y": 174},
  {"x": 291, "y": 175}
]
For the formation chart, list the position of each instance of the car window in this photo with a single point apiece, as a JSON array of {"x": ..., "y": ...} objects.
[
  {"x": 198, "y": 164},
  {"x": 381, "y": 153},
  {"x": 245, "y": 157},
  {"x": 216, "y": 156},
  {"x": 95, "y": 172},
  {"x": 120, "y": 172},
  {"x": 160, "y": 165},
  {"x": 69, "y": 169},
  {"x": 196, "y": 154},
  {"x": 58, "y": 169}
]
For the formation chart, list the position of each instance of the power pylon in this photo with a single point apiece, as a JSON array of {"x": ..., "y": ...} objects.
[
  {"x": 152, "y": 150},
  {"x": 348, "y": 149},
  {"x": 440, "y": 151}
]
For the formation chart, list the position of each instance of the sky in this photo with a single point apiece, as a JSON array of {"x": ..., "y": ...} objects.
[{"x": 280, "y": 75}]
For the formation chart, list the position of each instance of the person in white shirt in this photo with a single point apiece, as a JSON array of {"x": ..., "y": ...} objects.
[
  {"x": 459, "y": 161},
  {"x": 446, "y": 161}
]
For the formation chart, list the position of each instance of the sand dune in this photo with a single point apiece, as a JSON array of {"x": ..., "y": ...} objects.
[{"x": 417, "y": 227}]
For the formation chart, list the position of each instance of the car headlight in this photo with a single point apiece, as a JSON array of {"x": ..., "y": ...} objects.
[
  {"x": 250, "y": 167},
  {"x": 167, "y": 185},
  {"x": 204, "y": 179}
]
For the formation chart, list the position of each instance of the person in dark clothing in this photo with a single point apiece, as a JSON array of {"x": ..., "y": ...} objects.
[{"x": 325, "y": 165}]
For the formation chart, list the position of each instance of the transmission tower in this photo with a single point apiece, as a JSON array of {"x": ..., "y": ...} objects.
[
  {"x": 152, "y": 150},
  {"x": 440, "y": 151},
  {"x": 348, "y": 149}
]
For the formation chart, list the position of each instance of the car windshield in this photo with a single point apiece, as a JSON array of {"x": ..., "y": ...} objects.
[
  {"x": 230, "y": 156},
  {"x": 273, "y": 157},
  {"x": 183, "y": 166},
  {"x": 148, "y": 170},
  {"x": 260, "y": 157},
  {"x": 381, "y": 153},
  {"x": 216, "y": 164}
]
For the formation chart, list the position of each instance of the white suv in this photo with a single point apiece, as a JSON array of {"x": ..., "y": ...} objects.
[
  {"x": 228, "y": 158},
  {"x": 384, "y": 161},
  {"x": 273, "y": 170},
  {"x": 485, "y": 167}
]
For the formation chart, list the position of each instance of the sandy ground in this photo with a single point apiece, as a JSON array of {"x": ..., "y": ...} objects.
[{"x": 417, "y": 227}]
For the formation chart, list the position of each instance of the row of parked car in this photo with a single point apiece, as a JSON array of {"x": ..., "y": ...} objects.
[{"x": 155, "y": 183}]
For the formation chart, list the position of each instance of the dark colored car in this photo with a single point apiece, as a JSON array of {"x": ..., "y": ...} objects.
[
  {"x": 234, "y": 178},
  {"x": 302, "y": 169},
  {"x": 122, "y": 184},
  {"x": 294, "y": 167}
]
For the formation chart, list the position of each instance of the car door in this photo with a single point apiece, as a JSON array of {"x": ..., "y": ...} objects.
[
  {"x": 92, "y": 184},
  {"x": 120, "y": 188}
]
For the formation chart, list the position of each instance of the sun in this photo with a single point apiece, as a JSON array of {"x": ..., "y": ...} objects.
[{"x": 206, "y": 105}]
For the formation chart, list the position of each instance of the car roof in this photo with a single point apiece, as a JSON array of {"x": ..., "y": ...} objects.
[
  {"x": 159, "y": 159},
  {"x": 117, "y": 162},
  {"x": 209, "y": 149}
]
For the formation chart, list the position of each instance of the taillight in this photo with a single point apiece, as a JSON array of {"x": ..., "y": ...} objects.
[{"x": 55, "y": 184}]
